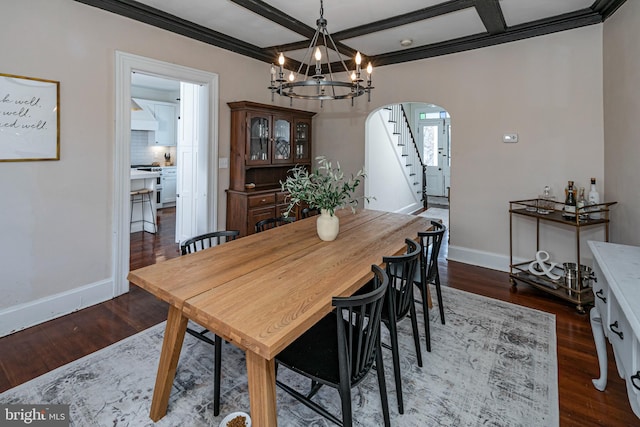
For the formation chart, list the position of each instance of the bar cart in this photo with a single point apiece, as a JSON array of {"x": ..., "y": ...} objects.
[{"x": 545, "y": 211}]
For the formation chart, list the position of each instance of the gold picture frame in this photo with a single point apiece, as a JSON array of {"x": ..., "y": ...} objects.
[{"x": 29, "y": 119}]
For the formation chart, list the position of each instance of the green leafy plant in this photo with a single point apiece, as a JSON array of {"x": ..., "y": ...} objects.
[{"x": 324, "y": 188}]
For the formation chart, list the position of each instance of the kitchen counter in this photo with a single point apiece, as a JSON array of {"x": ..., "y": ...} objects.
[{"x": 136, "y": 174}]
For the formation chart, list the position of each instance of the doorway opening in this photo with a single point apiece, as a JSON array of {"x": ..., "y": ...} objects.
[
  {"x": 434, "y": 133},
  {"x": 430, "y": 126},
  {"x": 198, "y": 161}
]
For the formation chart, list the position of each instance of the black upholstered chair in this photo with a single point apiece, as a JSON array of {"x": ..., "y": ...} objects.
[
  {"x": 269, "y": 223},
  {"x": 340, "y": 350},
  {"x": 192, "y": 245},
  {"x": 428, "y": 271},
  {"x": 399, "y": 303},
  {"x": 307, "y": 212}
]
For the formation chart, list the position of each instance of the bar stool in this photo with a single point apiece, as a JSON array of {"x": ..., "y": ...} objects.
[{"x": 143, "y": 196}]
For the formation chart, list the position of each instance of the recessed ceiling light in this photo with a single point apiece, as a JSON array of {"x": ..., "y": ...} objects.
[{"x": 406, "y": 42}]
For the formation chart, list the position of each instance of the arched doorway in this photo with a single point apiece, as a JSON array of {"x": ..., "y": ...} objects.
[{"x": 390, "y": 179}]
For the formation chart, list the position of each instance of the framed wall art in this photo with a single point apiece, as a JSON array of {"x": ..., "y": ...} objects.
[{"x": 29, "y": 119}]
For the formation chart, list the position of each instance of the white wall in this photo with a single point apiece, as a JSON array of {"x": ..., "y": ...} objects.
[
  {"x": 622, "y": 121},
  {"x": 547, "y": 89},
  {"x": 388, "y": 185},
  {"x": 57, "y": 217}
]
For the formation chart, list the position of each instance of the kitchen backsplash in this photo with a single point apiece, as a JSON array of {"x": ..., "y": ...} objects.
[{"x": 144, "y": 154}]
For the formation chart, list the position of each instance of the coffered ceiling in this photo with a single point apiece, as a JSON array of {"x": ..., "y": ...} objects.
[{"x": 377, "y": 28}]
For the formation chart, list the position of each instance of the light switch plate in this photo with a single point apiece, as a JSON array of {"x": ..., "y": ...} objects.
[
  {"x": 223, "y": 162},
  {"x": 510, "y": 137}
]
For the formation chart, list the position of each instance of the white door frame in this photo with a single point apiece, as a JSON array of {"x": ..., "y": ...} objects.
[
  {"x": 125, "y": 63},
  {"x": 442, "y": 154},
  {"x": 444, "y": 126}
]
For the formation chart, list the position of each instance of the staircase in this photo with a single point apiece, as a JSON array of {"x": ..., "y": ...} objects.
[{"x": 408, "y": 150}]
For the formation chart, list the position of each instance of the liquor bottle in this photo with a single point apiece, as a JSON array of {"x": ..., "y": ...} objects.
[
  {"x": 580, "y": 204},
  {"x": 594, "y": 199},
  {"x": 547, "y": 202},
  {"x": 569, "y": 201}
]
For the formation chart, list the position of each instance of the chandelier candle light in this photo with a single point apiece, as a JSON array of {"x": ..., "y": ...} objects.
[{"x": 319, "y": 86}]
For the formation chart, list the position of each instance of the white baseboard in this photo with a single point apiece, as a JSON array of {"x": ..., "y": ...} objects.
[
  {"x": 22, "y": 316},
  {"x": 410, "y": 209},
  {"x": 479, "y": 258}
]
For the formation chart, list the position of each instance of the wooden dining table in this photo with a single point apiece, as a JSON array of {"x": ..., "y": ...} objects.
[{"x": 263, "y": 291}]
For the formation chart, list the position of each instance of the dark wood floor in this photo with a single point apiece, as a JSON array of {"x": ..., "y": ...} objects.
[{"x": 34, "y": 351}]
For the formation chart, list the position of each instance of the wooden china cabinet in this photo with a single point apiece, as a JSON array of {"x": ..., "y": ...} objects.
[{"x": 266, "y": 141}]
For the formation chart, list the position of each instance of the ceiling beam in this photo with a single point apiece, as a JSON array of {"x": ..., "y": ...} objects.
[
  {"x": 491, "y": 15},
  {"x": 395, "y": 21},
  {"x": 519, "y": 32},
  {"x": 157, "y": 18},
  {"x": 269, "y": 12},
  {"x": 407, "y": 18},
  {"x": 276, "y": 15}
]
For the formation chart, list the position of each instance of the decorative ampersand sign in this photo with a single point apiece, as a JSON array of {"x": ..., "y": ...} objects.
[{"x": 539, "y": 267}]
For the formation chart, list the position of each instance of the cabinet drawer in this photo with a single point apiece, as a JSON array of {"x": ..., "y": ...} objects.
[
  {"x": 633, "y": 377},
  {"x": 282, "y": 197},
  {"x": 282, "y": 209},
  {"x": 255, "y": 215},
  {"x": 621, "y": 336},
  {"x": 262, "y": 200},
  {"x": 601, "y": 295}
]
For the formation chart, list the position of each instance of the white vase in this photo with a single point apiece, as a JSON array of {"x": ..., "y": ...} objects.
[{"x": 327, "y": 226}]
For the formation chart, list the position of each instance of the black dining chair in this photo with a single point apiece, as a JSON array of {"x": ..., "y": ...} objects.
[
  {"x": 428, "y": 272},
  {"x": 208, "y": 240},
  {"x": 199, "y": 243},
  {"x": 340, "y": 350},
  {"x": 308, "y": 212},
  {"x": 399, "y": 303},
  {"x": 193, "y": 245},
  {"x": 269, "y": 223}
]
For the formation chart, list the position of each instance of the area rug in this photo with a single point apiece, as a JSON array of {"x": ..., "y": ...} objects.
[{"x": 492, "y": 364}]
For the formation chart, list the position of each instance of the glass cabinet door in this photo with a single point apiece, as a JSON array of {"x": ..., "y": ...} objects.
[
  {"x": 258, "y": 140},
  {"x": 302, "y": 142},
  {"x": 282, "y": 140}
]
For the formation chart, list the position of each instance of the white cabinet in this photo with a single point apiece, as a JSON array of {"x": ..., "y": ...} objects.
[
  {"x": 615, "y": 316},
  {"x": 166, "y": 114},
  {"x": 168, "y": 185}
]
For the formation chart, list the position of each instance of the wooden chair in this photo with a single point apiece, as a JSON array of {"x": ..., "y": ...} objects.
[
  {"x": 399, "y": 303},
  {"x": 428, "y": 272},
  {"x": 308, "y": 212},
  {"x": 189, "y": 246},
  {"x": 340, "y": 350},
  {"x": 269, "y": 223}
]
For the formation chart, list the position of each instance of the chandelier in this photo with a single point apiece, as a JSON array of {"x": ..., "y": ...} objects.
[{"x": 314, "y": 84}]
